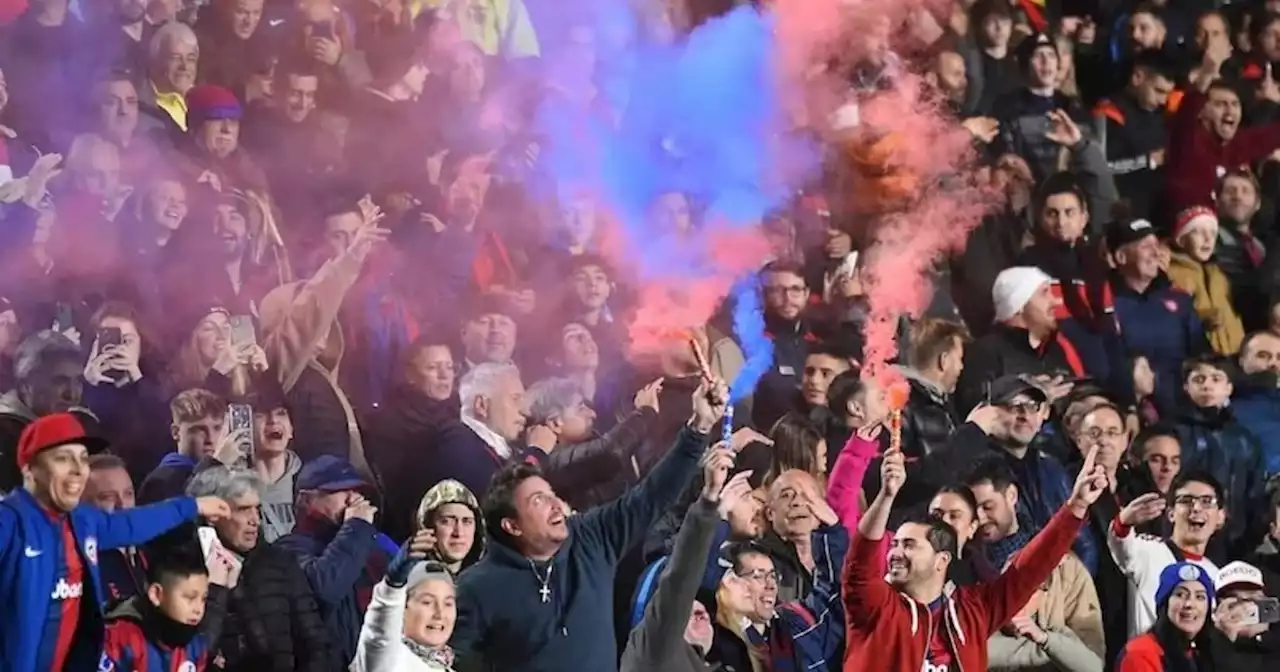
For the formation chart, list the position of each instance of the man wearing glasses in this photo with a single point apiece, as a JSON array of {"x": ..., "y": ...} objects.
[
  {"x": 786, "y": 295},
  {"x": 1194, "y": 504}
]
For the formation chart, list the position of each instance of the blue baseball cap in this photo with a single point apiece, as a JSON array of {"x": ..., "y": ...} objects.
[{"x": 330, "y": 474}]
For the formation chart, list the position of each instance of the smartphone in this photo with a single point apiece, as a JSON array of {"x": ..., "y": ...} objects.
[
  {"x": 1261, "y": 610},
  {"x": 106, "y": 337},
  {"x": 208, "y": 541},
  {"x": 240, "y": 417},
  {"x": 243, "y": 331},
  {"x": 323, "y": 29}
]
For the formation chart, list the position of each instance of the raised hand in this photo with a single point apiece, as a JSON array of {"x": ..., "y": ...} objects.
[
  {"x": 411, "y": 553},
  {"x": 1142, "y": 510},
  {"x": 735, "y": 492},
  {"x": 709, "y": 402},
  {"x": 647, "y": 396},
  {"x": 716, "y": 463},
  {"x": 213, "y": 509},
  {"x": 1063, "y": 130},
  {"x": 361, "y": 509},
  {"x": 1089, "y": 486},
  {"x": 893, "y": 473}
]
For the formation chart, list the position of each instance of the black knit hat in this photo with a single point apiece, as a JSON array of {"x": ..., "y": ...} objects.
[{"x": 1028, "y": 47}]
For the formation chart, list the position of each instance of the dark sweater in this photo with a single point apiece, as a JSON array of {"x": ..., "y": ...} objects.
[{"x": 501, "y": 614}]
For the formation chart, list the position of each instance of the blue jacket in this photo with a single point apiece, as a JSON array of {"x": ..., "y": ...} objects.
[
  {"x": 1213, "y": 441},
  {"x": 1161, "y": 325},
  {"x": 1258, "y": 409},
  {"x": 27, "y": 571},
  {"x": 342, "y": 565},
  {"x": 815, "y": 624},
  {"x": 501, "y": 614},
  {"x": 1044, "y": 485}
]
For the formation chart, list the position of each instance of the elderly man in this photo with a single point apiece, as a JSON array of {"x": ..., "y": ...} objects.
[
  {"x": 49, "y": 378},
  {"x": 173, "y": 58},
  {"x": 110, "y": 488},
  {"x": 493, "y": 416},
  {"x": 588, "y": 468},
  {"x": 272, "y": 622}
]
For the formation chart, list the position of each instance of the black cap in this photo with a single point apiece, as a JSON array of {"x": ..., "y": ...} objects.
[
  {"x": 1028, "y": 46},
  {"x": 1003, "y": 389},
  {"x": 1122, "y": 233}
]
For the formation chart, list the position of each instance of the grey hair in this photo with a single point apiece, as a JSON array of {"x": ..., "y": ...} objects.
[
  {"x": 482, "y": 381},
  {"x": 551, "y": 397},
  {"x": 173, "y": 31},
  {"x": 229, "y": 483},
  {"x": 40, "y": 348}
]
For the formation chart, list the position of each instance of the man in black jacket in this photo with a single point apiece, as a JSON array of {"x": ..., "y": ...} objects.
[
  {"x": 272, "y": 622},
  {"x": 1132, "y": 129},
  {"x": 935, "y": 358}
]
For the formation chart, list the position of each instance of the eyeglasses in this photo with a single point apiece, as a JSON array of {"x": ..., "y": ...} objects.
[
  {"x": 788, "y": 290},
  {"x": 1023, "y": 408},
  {"x": 762, "y": 575},
  {"x": 1189, "y": 501},
  {"x": 1097, "y": 433}
]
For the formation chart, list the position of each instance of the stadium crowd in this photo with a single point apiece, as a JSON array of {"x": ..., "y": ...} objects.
[{"x": 304, "y": 370}]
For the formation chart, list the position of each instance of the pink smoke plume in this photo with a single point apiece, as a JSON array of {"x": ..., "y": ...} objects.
[{"x": 935, "y": 197}]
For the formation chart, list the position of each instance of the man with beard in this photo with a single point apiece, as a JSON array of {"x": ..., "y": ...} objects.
[
  {"x": 1240, "y": 253},
  {"x": 1205, "y": 140},
  {"x": 906, "y": 620},
  {"x": 49, "y": 378},
  {"x": 1194, "y": 504}
]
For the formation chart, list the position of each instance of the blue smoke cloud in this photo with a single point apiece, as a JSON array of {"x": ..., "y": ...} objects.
[
  {"x": 703, "y": 117},
  {"x": 757, "y": 348}
]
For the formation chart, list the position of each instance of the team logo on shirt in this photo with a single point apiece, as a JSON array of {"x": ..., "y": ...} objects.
[
  {"x": 930, "y": 667},
  {"x": 187, "y": 667},
  {"x": 105, "y": 664},
  {"x": 91, "y": 550},
  {"x": 67, "y": 591},
  {"x": 1171, "y": 306}
]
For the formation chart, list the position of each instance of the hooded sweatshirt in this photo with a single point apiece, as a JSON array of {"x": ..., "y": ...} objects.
[
  {"x": 277, "y": 501},
  {"x": 558, "y": 615},
  {"x": 450, "y": 491}
]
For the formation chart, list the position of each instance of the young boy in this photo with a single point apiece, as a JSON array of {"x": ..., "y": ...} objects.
[
  {"x": 1213, "y": 441},
  {"x": 1195, "y": 238},
  {"x": 171, "y": 625}
]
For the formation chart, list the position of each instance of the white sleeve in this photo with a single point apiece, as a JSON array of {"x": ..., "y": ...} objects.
[{"x": 383, "y": 627}]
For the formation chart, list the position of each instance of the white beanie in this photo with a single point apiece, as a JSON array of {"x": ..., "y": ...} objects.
[{"x": 1014, "y": 287}]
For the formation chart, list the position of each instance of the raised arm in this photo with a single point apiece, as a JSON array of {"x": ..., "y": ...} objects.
[
  {"x": 383, "y": 626},
  {"x": 134, "y": 527},
  {"x": 1005, "y": 596},
  {"x": 667, "y": 614},
  {"x": 846, "y": 478},
  {"x": 621, "y": 523},
  {"x": 332, "y": 573},
  {"x": 866, "y": 593}
]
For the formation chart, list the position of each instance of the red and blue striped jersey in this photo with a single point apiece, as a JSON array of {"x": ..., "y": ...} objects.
[
  {"x": 63, "y": 616},
  {"x": 127, "y": 649}
]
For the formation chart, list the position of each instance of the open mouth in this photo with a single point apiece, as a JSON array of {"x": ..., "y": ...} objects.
[
  {"x": 274, "y": 435},
  {"x": 898, "y": 565},
  {"x": 797, "y": 517},
  {"x": 557, "y": 519},
  {"x": 1197, "y": 525}
]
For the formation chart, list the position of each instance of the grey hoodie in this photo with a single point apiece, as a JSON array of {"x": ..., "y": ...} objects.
[{"x": 278, "y": 513}]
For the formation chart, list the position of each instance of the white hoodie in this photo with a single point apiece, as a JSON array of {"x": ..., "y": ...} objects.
[{"x": 381, "y": 647}]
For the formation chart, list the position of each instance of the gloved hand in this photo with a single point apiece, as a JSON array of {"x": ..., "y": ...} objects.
[{"x": 411, "y": 553}]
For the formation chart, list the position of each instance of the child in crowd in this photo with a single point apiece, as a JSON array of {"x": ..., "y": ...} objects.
[
  {"x": 171, "y": 625},
  {"x": 1195, "y": 237},
  {"x": 1212, "y": 440}
]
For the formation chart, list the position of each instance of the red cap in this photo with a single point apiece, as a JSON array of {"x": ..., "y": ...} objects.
[{"x": 52, "y": 431}]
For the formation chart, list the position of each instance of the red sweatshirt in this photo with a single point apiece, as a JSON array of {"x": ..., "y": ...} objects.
[
  {"x": 888, "y": 632},
  {"x": 1196, "y": 158}
]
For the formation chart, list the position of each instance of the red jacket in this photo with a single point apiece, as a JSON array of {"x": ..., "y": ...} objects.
[
  {"x": 1196, "y": 157},
  {"x": 888, "y": 632},
  {"x": 1142, "y": 654}
]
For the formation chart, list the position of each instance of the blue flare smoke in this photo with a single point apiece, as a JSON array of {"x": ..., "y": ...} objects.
[{"x": 703, "y": 116}]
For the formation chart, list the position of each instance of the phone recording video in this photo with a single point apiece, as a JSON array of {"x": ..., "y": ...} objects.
[{"x": 240, "y": 419}]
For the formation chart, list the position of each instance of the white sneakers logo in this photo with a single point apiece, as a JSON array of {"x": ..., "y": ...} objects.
[
  {"x": 67, "y": 591},
  {"x": 31, "y": 552}
]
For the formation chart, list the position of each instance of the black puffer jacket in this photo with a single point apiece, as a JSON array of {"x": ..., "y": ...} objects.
[
  {"x": 273, "y": 623},
  {"x": 599, "y": 470},
  {"x": 928, "y": 419}
]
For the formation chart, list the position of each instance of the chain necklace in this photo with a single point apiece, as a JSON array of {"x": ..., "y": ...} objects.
[{"x": 545, "y": 590}]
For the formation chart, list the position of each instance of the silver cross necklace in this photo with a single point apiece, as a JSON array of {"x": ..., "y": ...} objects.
[{"x": 545, "y": 589}]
